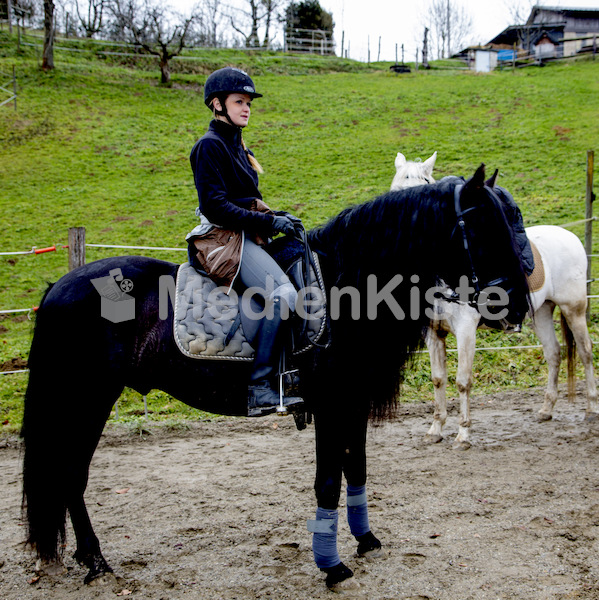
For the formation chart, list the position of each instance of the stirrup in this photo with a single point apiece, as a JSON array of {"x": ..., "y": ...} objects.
[
  {"x": 290, "y": 403},
  {"x": 264, "y": 400}
]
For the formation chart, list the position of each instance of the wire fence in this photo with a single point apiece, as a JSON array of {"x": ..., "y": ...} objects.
[
  {"x": 34, "y": 251},
  {"x": 4, "y": 87},
  {"x": 192, "y": 53},
  {"x": 314, "y": 42}
]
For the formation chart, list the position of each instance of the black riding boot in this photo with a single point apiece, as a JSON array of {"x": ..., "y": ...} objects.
[{"x": 263, "y": 393}]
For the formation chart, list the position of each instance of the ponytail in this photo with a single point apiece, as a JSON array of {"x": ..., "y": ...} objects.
[{"x": 253, "y": 160}]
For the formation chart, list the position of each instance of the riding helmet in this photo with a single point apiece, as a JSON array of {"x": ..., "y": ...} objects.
[{"x": 228, "y": 81}]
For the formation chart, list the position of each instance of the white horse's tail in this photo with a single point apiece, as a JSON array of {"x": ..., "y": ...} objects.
[{"x": 570, "y": 344}]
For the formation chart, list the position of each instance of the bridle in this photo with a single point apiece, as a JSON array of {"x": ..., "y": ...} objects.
[
  {"x": 461, "y": 223},
  {"x": 461, "y": 226}
]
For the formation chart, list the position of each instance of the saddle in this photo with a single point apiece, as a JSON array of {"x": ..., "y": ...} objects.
[
  {"x": 209, "y": 324},
  {"x": 536, "y": 279}
]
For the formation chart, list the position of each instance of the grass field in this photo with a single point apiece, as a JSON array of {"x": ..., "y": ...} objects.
[{"x": 106, "y": 147}]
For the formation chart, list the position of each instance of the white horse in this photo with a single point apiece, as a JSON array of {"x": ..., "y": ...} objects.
[
  {"x": 559, "y": 279},
  {"x": 410, "y": 174}
]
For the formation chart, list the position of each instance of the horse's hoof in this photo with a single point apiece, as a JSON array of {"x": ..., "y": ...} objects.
[
  {"x": 97, "y": 565},
  {"x": 347, "y": 588},
  {"x": 370, "y": 547},
  {"x": 433, "y": 439},
  {"x": 100, "y": 579},
  {"x": 372, "y": 554},
  {"x": 543, "y": 417},
  {"x": 337, "y": 574},
  {"x": 54, "y": 568},
  {"x": 463, "y": 445}
]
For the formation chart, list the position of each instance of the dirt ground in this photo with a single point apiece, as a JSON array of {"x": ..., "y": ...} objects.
[{"x": 219, "y": 512}]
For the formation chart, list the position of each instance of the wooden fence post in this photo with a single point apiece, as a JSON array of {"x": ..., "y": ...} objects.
[
  {"x": 9, "y": 15},
  {"x": 76, "y": 247},
  {"x": 14, "y": 85},
  {"x": 588, "y": 229}
]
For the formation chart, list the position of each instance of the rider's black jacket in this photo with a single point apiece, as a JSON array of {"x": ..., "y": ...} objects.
[{"x": 226, "y": 182}]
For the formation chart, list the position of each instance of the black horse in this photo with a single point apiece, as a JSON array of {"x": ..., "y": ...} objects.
[{"x": 389, "y": 252}]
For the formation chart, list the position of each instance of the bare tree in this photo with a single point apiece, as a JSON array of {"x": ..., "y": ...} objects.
[
  {"x": 29, "y": 10},
  {"x": 438, "y": 17},
  {"x": 48, "y": 51},
  {"x": 211, "y": 17},
  {"x": 450, "y": 25},
  {"x": 92, "y": 23},
  {"x": 519, "y": 10},
  {"x": 251, "y": 15},
  {"x": 6, "y": 10},
  {"x": 154, "y": 28},
  {"x": 272, "y": 13}
]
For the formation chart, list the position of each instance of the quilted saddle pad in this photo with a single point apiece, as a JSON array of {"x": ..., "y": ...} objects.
[{"x": 208, "y": 324}]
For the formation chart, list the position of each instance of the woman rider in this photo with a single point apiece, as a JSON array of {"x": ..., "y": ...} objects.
[{"x": 235, "y": 223}]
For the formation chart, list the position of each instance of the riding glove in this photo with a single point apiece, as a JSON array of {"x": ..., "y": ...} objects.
[
  {"x": 283, "y": 225},
  {"x": 283, "y": 213}
]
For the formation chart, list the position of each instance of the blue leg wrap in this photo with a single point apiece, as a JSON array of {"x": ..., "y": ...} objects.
[
  {"x": 324, "y": 540},
  {"x": 357, "y": 510}
]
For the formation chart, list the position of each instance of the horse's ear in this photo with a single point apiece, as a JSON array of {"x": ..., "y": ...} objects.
[
  {"x": 491, "y": 181},
  {"x": 429, "y": 164},
  {"x": 476, "y": 182},
  {"x": 478, "y": 179},
  {"x": 400, "y": 160}
]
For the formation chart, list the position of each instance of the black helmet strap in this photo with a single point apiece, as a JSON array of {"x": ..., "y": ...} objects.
[{"x": 223, "y": 112}]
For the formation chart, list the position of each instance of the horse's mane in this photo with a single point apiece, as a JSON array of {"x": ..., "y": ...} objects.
[
  {"x": 395, "y": 224},
  {"x": 396, "y": 233}
]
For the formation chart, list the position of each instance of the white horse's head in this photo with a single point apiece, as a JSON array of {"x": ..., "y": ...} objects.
[{"x": 410, "y": 174}]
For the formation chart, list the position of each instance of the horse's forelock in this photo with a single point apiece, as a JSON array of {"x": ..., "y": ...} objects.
[
  {"x": 498, "y": 248},
  {"x": 411, "y": 174}
]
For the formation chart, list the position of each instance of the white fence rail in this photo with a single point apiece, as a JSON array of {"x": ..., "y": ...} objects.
[{"x": 6, "y": 85}]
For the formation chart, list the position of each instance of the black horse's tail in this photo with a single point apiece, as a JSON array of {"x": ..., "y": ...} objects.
[
  {"x": 44, "y": 506},
  {"x": 79, "y": 362},
  {"x": 74, "y": 381}
]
